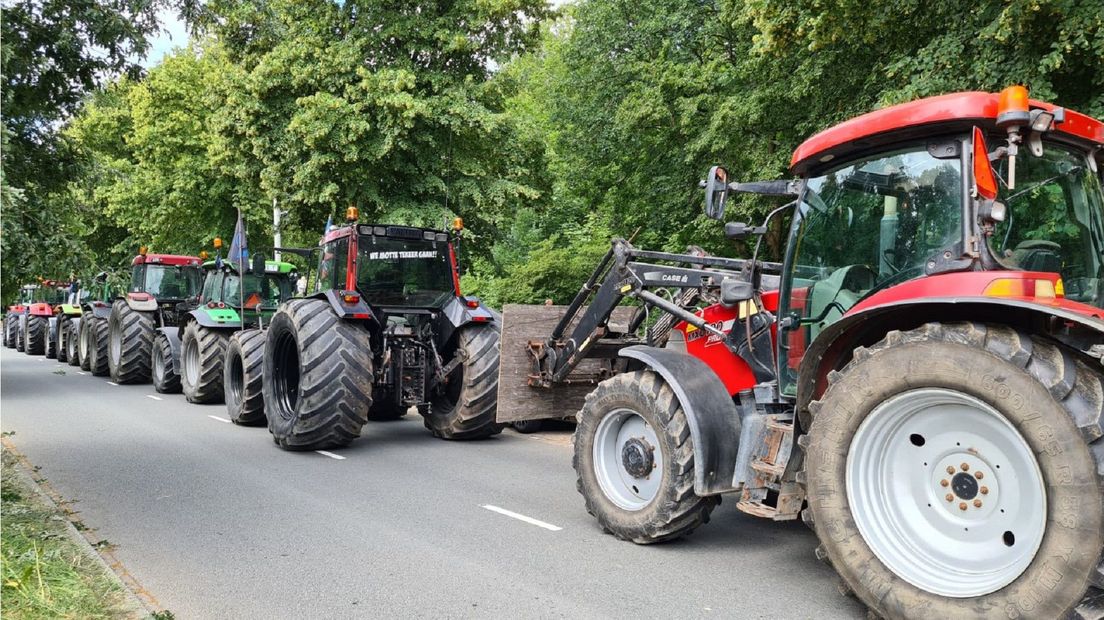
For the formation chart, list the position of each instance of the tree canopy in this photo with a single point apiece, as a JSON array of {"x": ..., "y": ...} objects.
[{"x": 547, "y": 131}]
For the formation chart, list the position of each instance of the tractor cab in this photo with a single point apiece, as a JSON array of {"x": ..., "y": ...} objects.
[
  {"x": 165, "y": 277},
  {"x": 265, "y": 284}
]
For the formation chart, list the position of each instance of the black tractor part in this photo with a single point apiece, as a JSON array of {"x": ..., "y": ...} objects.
[
  {"x": 131, "y": 343},
  {"x": 35, "y": 338},
  {"x": 63, "y": 338},
  {"x": 162, "y": 366},
  {"x": 464, "y": 408},
  {"x": 52, "y": 338},
  {"x": 242, "y": 378},
  {"x": 202, "y": 352},
  {"x": 317, "y": 376},
  {"x": 11, "y": 328},
  {"x": 72, "y": 342}
]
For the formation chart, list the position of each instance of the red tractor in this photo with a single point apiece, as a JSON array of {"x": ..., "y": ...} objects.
[
  {"x": 163, "y": 288},
  {"x": 13, "y": 318},
  {"x": 919, "y": 380},
  {"x": 36, "y": 320}
]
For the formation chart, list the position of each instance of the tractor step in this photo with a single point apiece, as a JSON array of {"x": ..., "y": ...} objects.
[{"x": 768, "y": 465}]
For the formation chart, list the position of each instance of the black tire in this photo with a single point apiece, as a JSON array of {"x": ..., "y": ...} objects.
[
  {"x": 675, "y": 511},
  {"x": 130, "y": 343},
  {"x": 527, "y": 426},
  {"x": 95, "y": 335},
  {"x": 11, "y": 328},
  {"x": 72, "y": 343},
  {"x": 317, "y": 376},
  {"x": 35, "y": 340},
  {"x": 20, "y": 333},
  {"x": 242, "y": 379},
  {"x": 162, "y": 369},
  {"x": 63, "y": 338},
  {"x": 52, "y": 339},
  {"x": 202, "y": 350},
  {"x": 466, "y": 408},
  {"x": 1061, "y": 425}
]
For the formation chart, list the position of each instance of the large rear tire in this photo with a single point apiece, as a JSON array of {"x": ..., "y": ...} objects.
[
  {"x": 20, "y": 333},
  {"x": 11, "y": 327},
  {"x": 63, "y": 338},
  {"x": 94, "y": 335},
  {"x": 317, "y": 376},
  {"x": 955, "y": 470},
  {"x": 130, "y": 343},
  {"x": 634, "y": 460},
  {"x": 162, "y": 368},
  {"x": 52, "y": 338},
  {"x": 466, "y": 408},
  {"x": 72, "y": 342},
  {"x": 36, "y": 335},
  {"x": 242, "y": 378},
  {"x": 201, "y": 353}
]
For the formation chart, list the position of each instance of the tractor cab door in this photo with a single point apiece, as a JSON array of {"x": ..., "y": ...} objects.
[{"x": 862, "y": 227}]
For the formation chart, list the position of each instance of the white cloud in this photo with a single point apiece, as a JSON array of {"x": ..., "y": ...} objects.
[{"x": 173, "y": 34}]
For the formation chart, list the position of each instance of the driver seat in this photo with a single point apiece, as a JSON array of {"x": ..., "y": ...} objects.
[{"x": 1038, "y": 255}]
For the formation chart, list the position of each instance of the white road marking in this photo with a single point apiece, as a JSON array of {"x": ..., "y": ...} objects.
[
  {"x": 215, "y": 417},
  {"x": 153, "y": 397},
  {"x": 331, "y": 455},
  {"x": 514, "y": 515},
  {"x": 113, "y": 383},
  {"x": 81, "y": 372}
]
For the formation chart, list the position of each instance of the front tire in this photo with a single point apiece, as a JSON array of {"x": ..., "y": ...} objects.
[
  {"x": 11, "y": 327},
  {"x": 1007, "y": 427},
  {"x": 94, "y": 335},
  {"x": 35, "y": 343},
  {"x": 634, "y": 459},
  {"x": 162, "y": 369},
  {"x": 72, "y": 343},
  {"x": 63, "y": 338},
  {"x": 52, "y": 338},
  {"x": 317, "y": 376},
  {"x": 465, "y": 408},
  {"x": 242, "y": 378},
  {"x": 201, "y": 353},
  {"x": 131, "y": 343}
]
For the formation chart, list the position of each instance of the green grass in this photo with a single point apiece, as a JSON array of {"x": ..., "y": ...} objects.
[{"x": 45, "y": 574}]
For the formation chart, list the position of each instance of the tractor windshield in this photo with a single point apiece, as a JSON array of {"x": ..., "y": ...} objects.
[
  {"x": 1055, "y": 222},
  {"x": 166, "y": 281},
  {"x": 861, "y": 228},
  {"x": 404, "y": 272},
  {"x": 260, "y": 290}
]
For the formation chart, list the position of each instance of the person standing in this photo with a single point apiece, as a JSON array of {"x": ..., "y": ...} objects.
[{"x": 74, "y": 289}]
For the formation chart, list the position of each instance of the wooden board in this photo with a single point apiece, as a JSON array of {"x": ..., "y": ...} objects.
[{"x": 518, "y": 401}]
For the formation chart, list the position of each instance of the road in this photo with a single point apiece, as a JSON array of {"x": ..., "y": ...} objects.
[{"x": 212, "y": 520}]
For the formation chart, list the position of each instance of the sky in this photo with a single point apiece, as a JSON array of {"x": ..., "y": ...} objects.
[{"x": 173, "y": 34}]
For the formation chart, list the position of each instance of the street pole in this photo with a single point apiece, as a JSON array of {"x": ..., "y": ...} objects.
[{"x": 276, "y": 229}]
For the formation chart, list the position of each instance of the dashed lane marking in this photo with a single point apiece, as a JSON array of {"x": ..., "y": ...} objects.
[
  {"x": 215, "y": 417},
  {"x": 331, "y": 455},
  {"x": 113, "y": 383},
  {"x": 154, "y": 397},
  {"x": 521, "y": 517},
  {"x": 81, "y": 372}
]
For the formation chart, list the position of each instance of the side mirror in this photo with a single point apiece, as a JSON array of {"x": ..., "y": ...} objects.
[
  {"x": 734, "y": 291},
  {"x": 258, "y": 263},
  {"x": 716, "y": 192}
]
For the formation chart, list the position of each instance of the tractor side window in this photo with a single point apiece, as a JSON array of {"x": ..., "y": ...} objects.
[
  {"x": 1055, "y": 222},
  {"x": 332, "y": 265},
  {"x": 137, "y": 278},
  {"x": 864, "y": 227},
  {"x": 211, "y": 286}
]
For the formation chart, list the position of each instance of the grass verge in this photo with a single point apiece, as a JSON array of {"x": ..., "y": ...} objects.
[{"x": 45, "y": 573}]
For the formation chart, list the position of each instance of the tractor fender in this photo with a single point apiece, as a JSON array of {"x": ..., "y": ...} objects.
[
  {"x": 710, "y": 412},
  {"x": 141, "y": 302},
  {"x": 97, "y": 309},
  {"x": 460, "y": 313},
  {"x": 171, "y": 333},
  {"x": 833, "y": 346},
  {"x": 229, "y": 318},
  {"x": 70, "y": 309},
  {"x": 40, "y": 310},
  {"x": 358, "y": 310}
]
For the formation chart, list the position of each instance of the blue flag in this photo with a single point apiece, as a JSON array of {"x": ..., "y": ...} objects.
[
  {"x": 239, "y": 249},
  {"x": 329, "y": 225}
]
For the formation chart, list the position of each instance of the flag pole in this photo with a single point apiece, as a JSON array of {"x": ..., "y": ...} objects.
[{"x": 241, "y": 274}]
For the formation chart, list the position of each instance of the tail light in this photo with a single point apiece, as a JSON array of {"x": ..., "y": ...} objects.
[
  {"x": 221, "y": 305},
  {"x": 1037, "y": 288},
  {"x": 350, "y": 298}
]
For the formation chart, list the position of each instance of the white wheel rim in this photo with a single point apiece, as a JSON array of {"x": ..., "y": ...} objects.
[
  {"x": 904, "y": 452},
  {"x": 628, "y": 461}
]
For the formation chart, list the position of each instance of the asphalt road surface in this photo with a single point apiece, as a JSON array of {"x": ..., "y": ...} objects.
[{"x": 212, "y": 520}]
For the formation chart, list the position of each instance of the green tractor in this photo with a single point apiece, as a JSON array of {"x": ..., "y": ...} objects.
[
  {"x": 83, "y": 337},
  {"x": 58, "y": 327},
  {"x": 219, "y": 345}
]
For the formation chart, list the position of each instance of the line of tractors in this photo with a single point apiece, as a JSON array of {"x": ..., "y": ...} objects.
[{"x": 919, "y": 379}]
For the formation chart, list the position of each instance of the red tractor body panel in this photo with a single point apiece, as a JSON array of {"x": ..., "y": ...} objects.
[
  {"x": 17, "y": 308},
  {"x": 968, "y": 284},
  {"x": 165, "y": 259},
  {"x": 41, "y": 309},
  {"x": 970, "y": 107}
]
